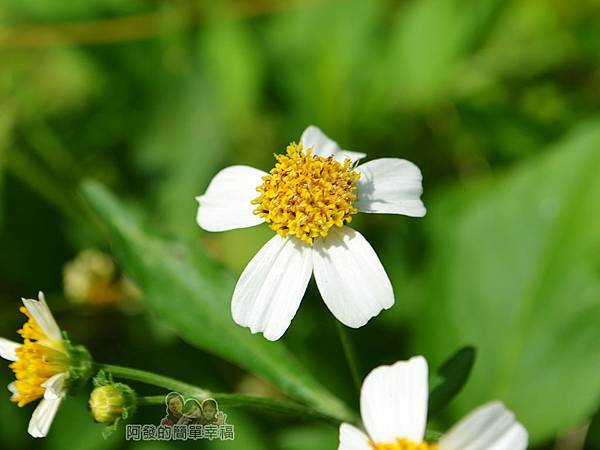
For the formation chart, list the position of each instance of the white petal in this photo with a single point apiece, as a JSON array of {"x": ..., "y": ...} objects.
[
  {"x": 314, "y": 138},
  {"x": 226, "y": 205},
  {"x": 41, "y": 314},
  {"x": 393, "y": 401},
  {"x": 390, "y": 186},
  {"x": 350, "y": 277},
  {"x": 12, "y": 387},
  {"x": 42, "y": 417},
  {"x": 271, "y": 287},
  {"x": 54, "y": 386},
  {"x": 351, "y": 438},
  {"x": 8, "y": 349},
  {"x": 516, "y": 438},
  {"x": 489, "y": 427},
  {"x": 347, "y": 154}
]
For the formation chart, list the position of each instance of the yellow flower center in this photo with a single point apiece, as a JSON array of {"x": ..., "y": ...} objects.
[
  {"x": 403, "y": 444},
  {"x": 38, "y": 359},
  {"x": 306, "y": 195}
]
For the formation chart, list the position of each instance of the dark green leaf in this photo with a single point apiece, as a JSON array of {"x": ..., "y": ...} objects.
[
  {"x": 450, "y": 379},
  {"x": 592, "y": 440}
]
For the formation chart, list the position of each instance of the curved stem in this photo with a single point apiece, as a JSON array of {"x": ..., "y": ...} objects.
[
  {"x": 252, "y": 403},
  {"x": 266, "y": 404},
  {"x": 155, "y": 380}
]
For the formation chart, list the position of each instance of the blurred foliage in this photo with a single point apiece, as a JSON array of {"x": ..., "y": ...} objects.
[
  {"x": 187, "y": 291},
  {"x": 518, "y": 277},
  {"x": 496, "y": 101}
]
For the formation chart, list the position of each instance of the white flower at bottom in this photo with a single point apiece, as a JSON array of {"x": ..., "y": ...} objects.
[
  {"x": 308, "y": 198},
  {"x": 393, "y": 404},
  {"x": 44, "y": 364}
]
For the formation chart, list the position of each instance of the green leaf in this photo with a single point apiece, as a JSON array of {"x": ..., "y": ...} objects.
[
  {"x": 592, "y": 440},
  {"x": 307, "y": 438},
  {"x": 233, "y": 64},
  {"x": 192, "y": 294},
  {"x": 516, "y": 270},
  {"x": 428, "y": 46},
  {"x": 450, "y": 379},
  {"x": 186, "y": 124},
  {"x": 342, "y": 61}
]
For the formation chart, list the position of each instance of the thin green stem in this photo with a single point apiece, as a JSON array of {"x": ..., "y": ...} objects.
[
  {"x": 153, "y": 379},
  {"x": 350, "y": 354},
  {"x": 281, "y": 406},
  {"x": 251, "y": 403}
]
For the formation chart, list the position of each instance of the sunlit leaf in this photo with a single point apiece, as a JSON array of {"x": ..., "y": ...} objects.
[
  {"x": 516, "y": 270},
  {"x": 428, "y": 45}
]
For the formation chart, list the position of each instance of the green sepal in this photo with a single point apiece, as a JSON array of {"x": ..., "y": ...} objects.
[
  {"x": 80, "y": 365},
  {"x": 130, "y": 399},
  {"x": 102, "y": 378},
  {"x": 110, "y": 429}
]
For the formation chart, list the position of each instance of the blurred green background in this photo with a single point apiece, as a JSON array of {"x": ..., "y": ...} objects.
[{"x": 498, "y": 102}]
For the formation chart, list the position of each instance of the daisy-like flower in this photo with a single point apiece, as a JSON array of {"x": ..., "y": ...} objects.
[
  {"x": 393, "y": 404},
  {"x": 46, "y": 365},
  {"x": 308, "y": 199}
]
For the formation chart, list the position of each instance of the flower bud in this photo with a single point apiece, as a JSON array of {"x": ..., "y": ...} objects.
[
  {"x": 112, "y": 402},
  {"x": 90, "y": 278},
  {"x": 93, "y": 279}
]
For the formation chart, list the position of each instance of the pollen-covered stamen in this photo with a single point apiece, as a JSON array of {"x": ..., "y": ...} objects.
[
  {"x": 38, "y": 359},
  {"x": 306, "y": 195},
  {"x": 403, "y": 444}
]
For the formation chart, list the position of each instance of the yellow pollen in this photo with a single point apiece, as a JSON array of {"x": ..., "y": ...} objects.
[
  {"x": 38, "y": 359},
  {"x": 403, "y": 444},
  {"x": 305, "y": 195}
]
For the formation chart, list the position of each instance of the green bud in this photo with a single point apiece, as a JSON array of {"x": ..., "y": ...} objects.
[{"x": 112, "y": 402}]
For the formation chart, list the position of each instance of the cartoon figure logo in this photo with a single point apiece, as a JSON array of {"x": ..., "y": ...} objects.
[
  {"x": 175, "y": 406},
  {"x": 211, "y": 414},
  {"x": 185, "y": 420},
  {"x": 191, "y": 412}
]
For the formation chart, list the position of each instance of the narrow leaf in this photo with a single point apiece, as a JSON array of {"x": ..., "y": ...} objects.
[{"x": 450, "y": 379}]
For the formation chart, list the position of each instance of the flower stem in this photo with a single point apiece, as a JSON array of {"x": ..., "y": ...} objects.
[
  {"x": 281, "y": 406},
  {"x": 153, "y": 379},
  {"x": 350, "y": 354},
  {"x": 252, "y": 403}
]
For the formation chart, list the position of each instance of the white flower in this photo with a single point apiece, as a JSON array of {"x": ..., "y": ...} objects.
[
  {"x": 308, "y": 198},
  {"x": 41, "y": 365},
  {"x": 393, "y": 404}
]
